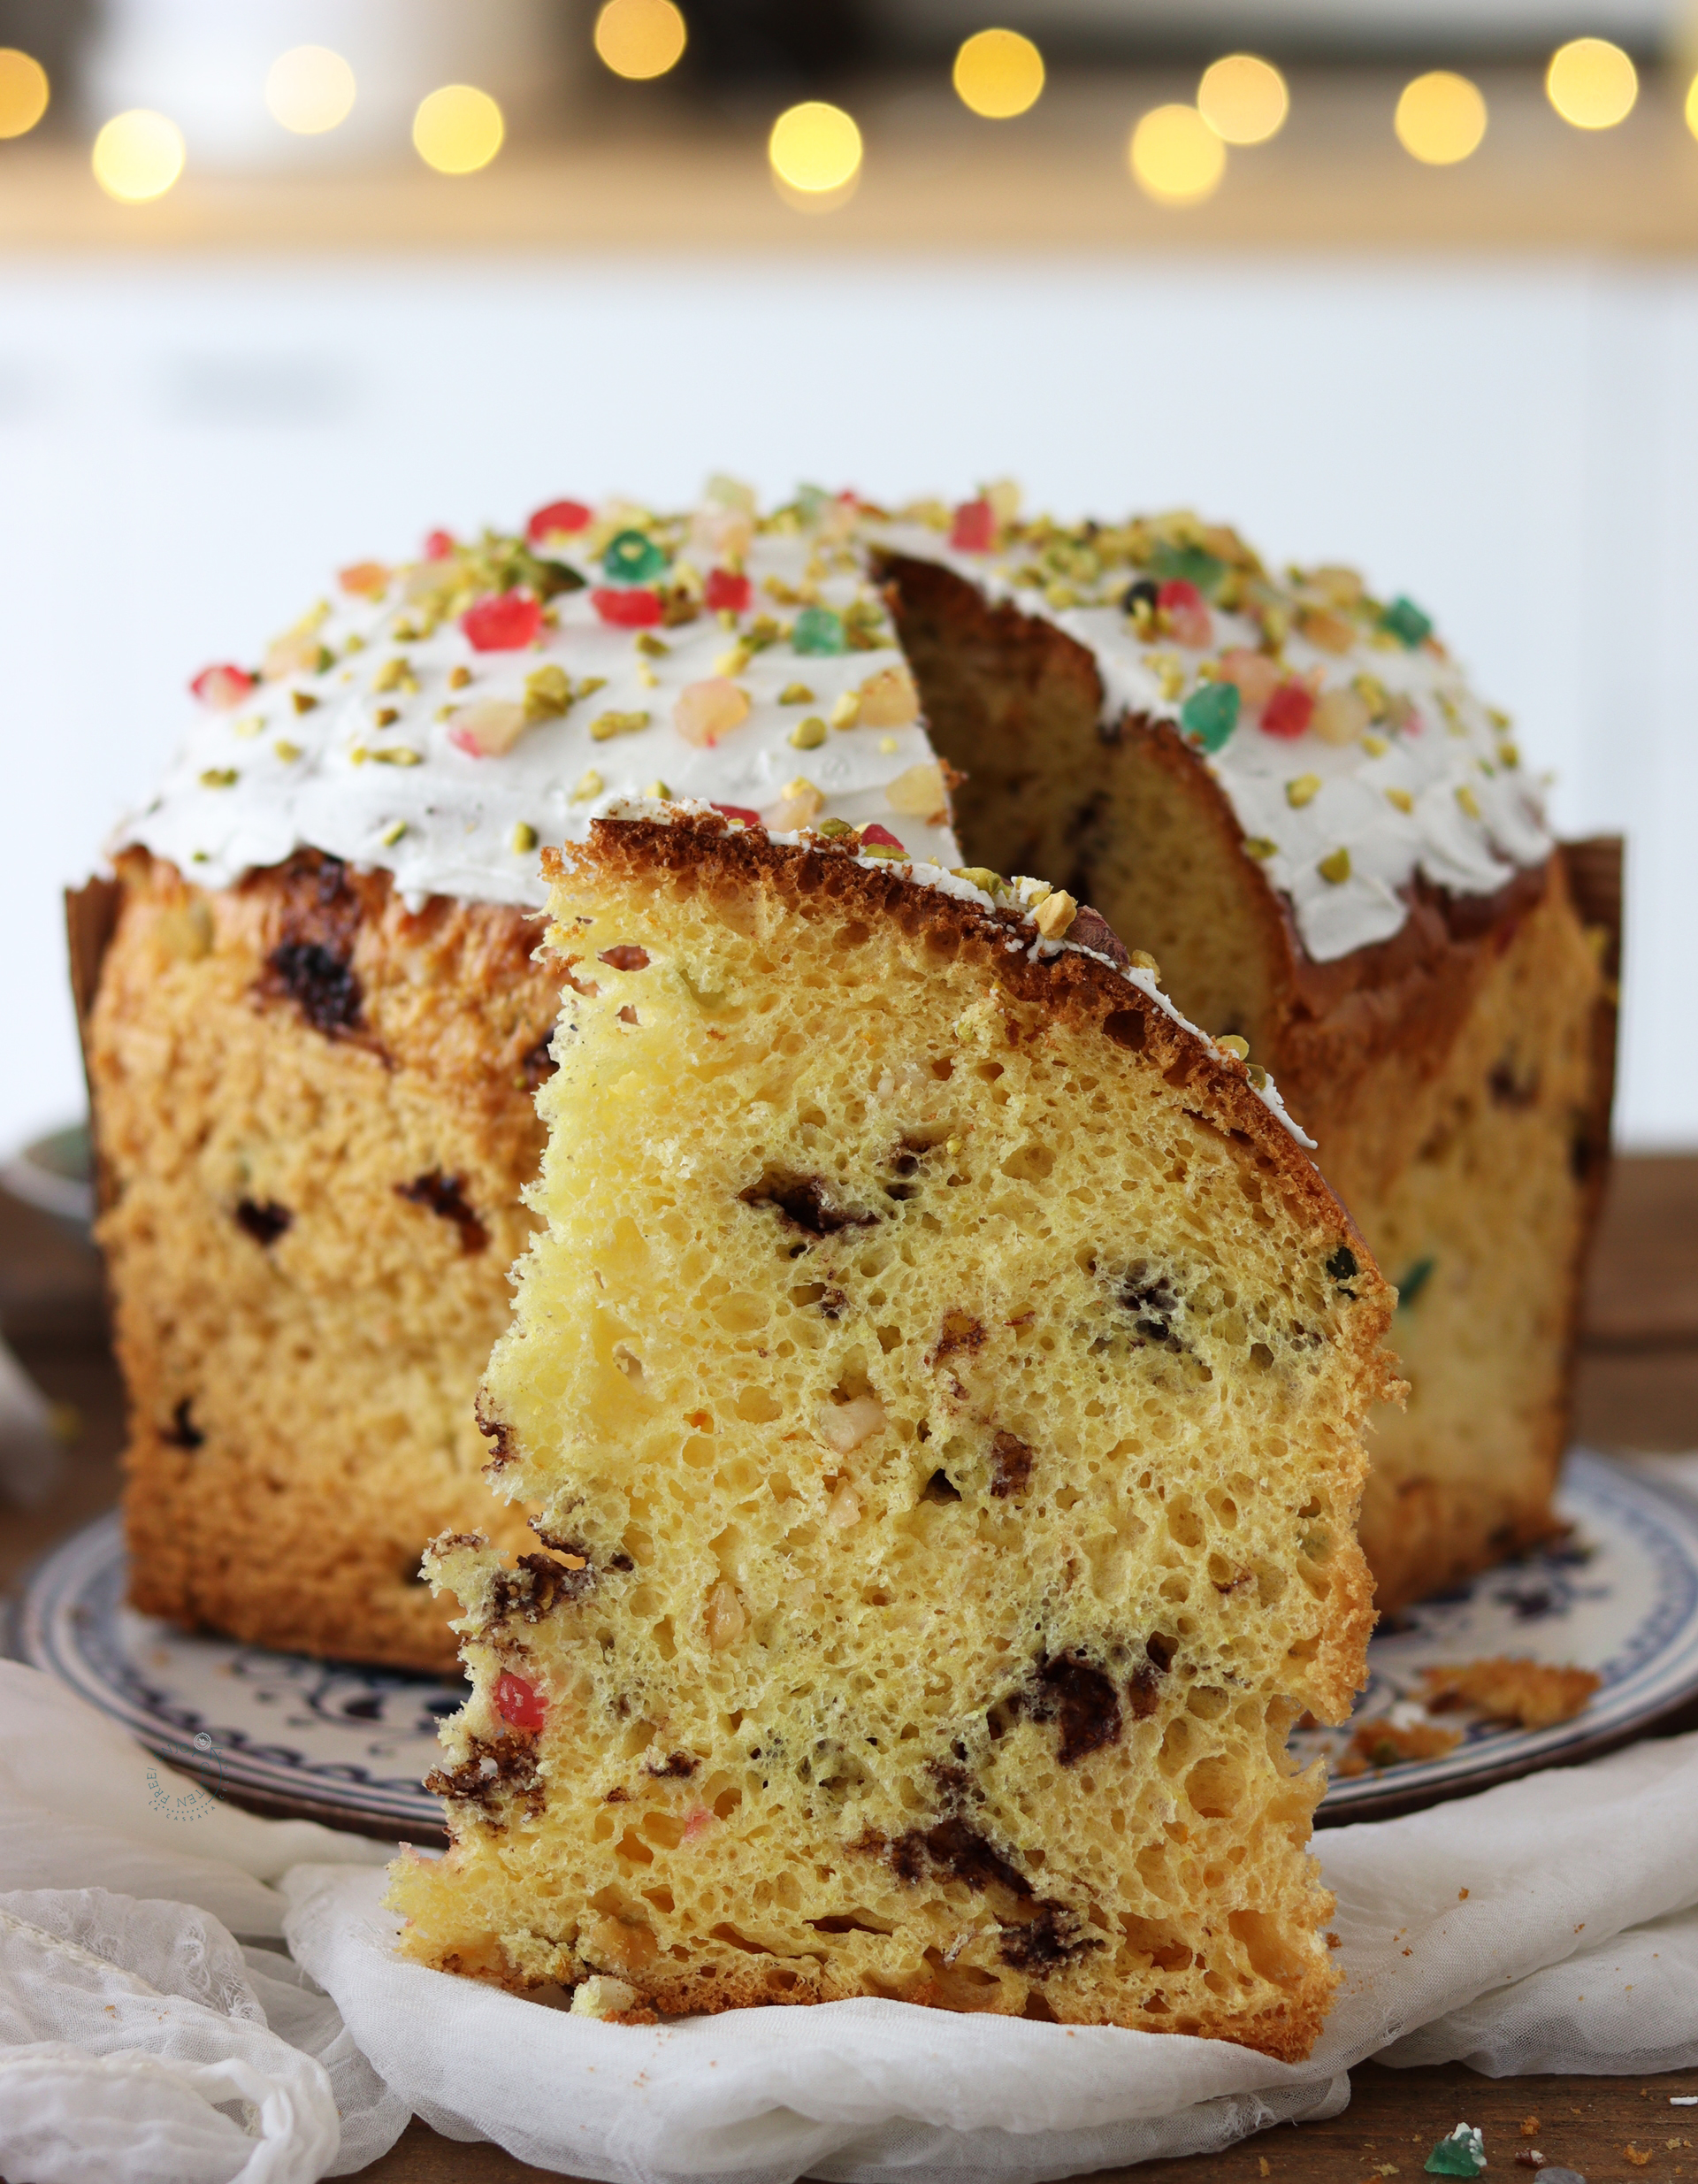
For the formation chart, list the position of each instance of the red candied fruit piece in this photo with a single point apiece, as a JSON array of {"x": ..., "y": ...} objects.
[
  {"x": 880, "y": 836},
  {"x": 1187, "y": 612},
  {"x": 505, "y": 622},
  {"x": 222, "y": 686},
  {"x": 974, "y": 528},
  {"x": 439, "y": 545},
  {"x": 726, "y": 589},
  {"x": 558, "y": 515},
  {"x": 637, "y": 609},
  {"x": 740, "y": 811},
  {"x": 1289, "y": 711},
  {"x": 519, "y": 1703}
]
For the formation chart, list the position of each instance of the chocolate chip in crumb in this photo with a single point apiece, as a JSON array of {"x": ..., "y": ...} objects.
[
  {"x": 264, "y": 1221},
  {"x": 182, "y": 1432},
  {"x": 444, "y": 1195},
  {"x": 1010, "y": 1466},
  {"x": 804, "y": 1200}
]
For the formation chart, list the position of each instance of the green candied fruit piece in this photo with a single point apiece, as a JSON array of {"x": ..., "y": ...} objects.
[
  {"x": 631, "y": 558},
  {"x": 819, "y": 630},
  {"x": 1458, "y": 2155},
  {"x": 1406, "y": 622},
  {"x": 1188, "y": 564},
  {"x": 1210, "y": 713}
]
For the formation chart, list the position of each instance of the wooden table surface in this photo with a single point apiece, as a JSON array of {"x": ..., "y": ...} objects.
[{"x": 1638, "y": 1391}]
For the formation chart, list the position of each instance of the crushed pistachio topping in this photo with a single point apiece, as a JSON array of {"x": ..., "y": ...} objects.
[
  {"x": 524, "y": 838},
  {"x": 605, "y": 726}
]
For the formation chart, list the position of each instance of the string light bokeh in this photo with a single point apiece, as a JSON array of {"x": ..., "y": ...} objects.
[
  {"x": 138, "y": 156},
  {"x": 1175, "y": 157},
  {"x": 1592, "y": 83},
  {"x": 640, "y": 39},
  {"x": 24, "y": 92},
  {"x": 815, "y": 149},
  {"x": 1243, "y": 99},
  {"x": 1441, "y": 119},
  {"x": 310, "y": 89},
  {"x": 458, "y": 129},
  {"x": 998, "y": 75}
]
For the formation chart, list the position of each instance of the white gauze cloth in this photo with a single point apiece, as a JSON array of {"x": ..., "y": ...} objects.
[{"x": 1549, "y": 1925}]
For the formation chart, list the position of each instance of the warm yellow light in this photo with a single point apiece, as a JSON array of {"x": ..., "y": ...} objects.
[
  {"x": 999, "y": 73},
  {"x": 1441, "y": 119},
  {"x": 1175, "y": 157},
  {"x": 458, "y": 129},
  {"x": 23, "y": 91},
  {"x": 137, "y": 156},
  {"x": 1692, "y": 105},
  {"x": 640, "y": 38},
  {"x": 1592, "y": 83},
  {"x": 1243, "y": 99},
  {"x": 815, "y": 147},
  {"x": 310, "y": 89}
]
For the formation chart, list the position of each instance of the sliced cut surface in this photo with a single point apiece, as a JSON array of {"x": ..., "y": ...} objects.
[{"x": 941, "y": 1379}]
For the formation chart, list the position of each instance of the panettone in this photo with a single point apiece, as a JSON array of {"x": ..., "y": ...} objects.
[
  {"x": 314, "y": 1027},
  {"x": 937, "y": 1382}
]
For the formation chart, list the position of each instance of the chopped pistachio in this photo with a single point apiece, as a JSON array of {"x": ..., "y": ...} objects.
[
  {"x": 303, "y": 701},
  {"x": 1303, "y": 791},
  {"x": 1054, "y": 915},
  {"x": 1401, "y": 797},
  {"x": 795, "y": 693},
  {"x": 547, "y": 692},
  {"x": 979, "y": 875},
  {"x": 399, "y": 754},
  {"x": 392, "y": 832},
  {"x": 1468, "y": 801},
  {"x": 458, "y": 678},
  {"x": 590, "y": 785},
  {"x": 386, "y": 715},
  {"x": 888, "y": 746},
  {"x": 651, "y": 646},
  {"x": 395, "y": 674},
  {"x": 287, "y": 752},
  {"x": 1336, "y": 868},
  {"x": 219, "y": 777},
  {"x": 524, "y": 839},
  {"x": 1376, "y": 747},
  {"x": 1142, "y": 960},
  {"x": 1230, "y": 1042},
  {"x": 588, "y": 684},
  {"x": 807, "y": 735},
  {"x": 659, "y": 790},
  {"x": 1258, "y": 845}
]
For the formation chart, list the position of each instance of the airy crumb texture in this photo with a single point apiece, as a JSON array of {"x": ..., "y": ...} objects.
[
  {"x": 314, "y": 1119},
  {"x": 1456, "y": 1077},
  {"x": 941, "y": 1381},
  {"x": 1535, "y": 1694}
]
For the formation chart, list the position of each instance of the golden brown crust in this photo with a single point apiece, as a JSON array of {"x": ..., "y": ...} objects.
[{"x": 315, "y": 1111}]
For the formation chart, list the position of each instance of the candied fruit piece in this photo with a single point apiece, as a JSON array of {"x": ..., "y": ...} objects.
[
  {"x": 819, "y": 630},
  {"x": 874, "y": 836},
  {"x": 1210, "y": 713},
  {"x": 738, "y": 811},
  {"x": 519, "y": 1703},
  {"x": 632, "y": 557},
  {"x": 634, "y": 610},
  {"x": 705, "y": 711},
  {"x": 1188, "y": 615},
  {"x": 974, "y": 530},
  {"x": 222, "y": 687},
  {"x": 439, "y": 545},
  {"x": 886, "y": 700},
  {"x": 1188, "y": 564},
  {"x": 727, "y": 592},
  {"x": 558, "y": 517},
  {"x": 366, "y": 579},
  {"x": 1406, "y": 622},
  {"x": 1289, "y": 710},
  {"x": 1340, "y": 717},
  {"x": 488, "y": 729},
  {"x": 504, "y": 622},
  {"x": 1255, "y": 676}
]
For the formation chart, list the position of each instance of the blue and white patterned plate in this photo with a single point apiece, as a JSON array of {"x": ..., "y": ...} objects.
[{"x": 349, "y": 1745}]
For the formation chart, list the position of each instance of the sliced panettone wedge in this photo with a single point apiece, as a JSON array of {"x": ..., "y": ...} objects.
[{"x": 942, "y": 1375}]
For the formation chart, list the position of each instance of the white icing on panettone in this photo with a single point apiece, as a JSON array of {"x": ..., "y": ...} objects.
[
  {"x": 1414, "y": 774},
  {"x": 351, "y": 740},
  {"x": 354, "y": 739}
]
